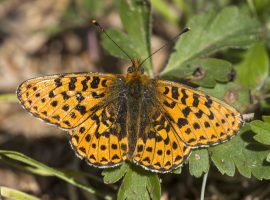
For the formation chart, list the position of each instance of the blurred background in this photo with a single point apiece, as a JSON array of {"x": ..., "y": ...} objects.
[{"x": 40, "y": 37}]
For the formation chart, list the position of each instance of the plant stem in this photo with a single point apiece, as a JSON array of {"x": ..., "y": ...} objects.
[
  {"x": 203, "y": 185},
  {"x": 8, "y": 98}
]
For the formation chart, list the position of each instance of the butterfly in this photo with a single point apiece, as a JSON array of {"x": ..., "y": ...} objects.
[{"x": 111, "y": 118}]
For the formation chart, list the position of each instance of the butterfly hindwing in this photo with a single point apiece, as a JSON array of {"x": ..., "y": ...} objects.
[
  {"x": 197, "y": 118},
  {"x": 66, "y": 100},
  {"x": 101, "y": 140},
  {"x": 158, "y": 148}
]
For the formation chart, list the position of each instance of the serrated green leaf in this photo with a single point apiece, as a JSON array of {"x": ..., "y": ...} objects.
[
  {"x": 224, "y": 163},
  {"x": 139, "y": 184},
  {"x": 211, "y": 32},
  {"x": 262, "y": 130},
  {"x": 232, "y": 94},
  {"x": 113, "y": 175},
  {"x": 10, "y": 193},
  {"x": 136, "y": 40},
  {"x": 243, "y": 153},
  {"x": 254, "y": 69},
  {"x": 198, "y": 162}
]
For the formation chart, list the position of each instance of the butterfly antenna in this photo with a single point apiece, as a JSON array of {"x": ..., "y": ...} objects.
[
  {"x": 103, "y": 31},
  {"x": 166, "y": 44}
]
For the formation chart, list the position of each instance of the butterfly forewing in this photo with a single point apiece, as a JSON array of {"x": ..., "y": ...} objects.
[
  {"x": 66, "y": 100},
  {"x": 197, "y": 118}
]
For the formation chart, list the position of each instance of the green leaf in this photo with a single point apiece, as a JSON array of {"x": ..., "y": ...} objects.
[
  {"x": 232, "y": 94},
  {"x": 139, "y": 184},
  {"x": 243, "y": 153},
  {"x": 166, "y": 11},
  {"x": 123, "y": 40},
  {"x": 221, "y": 159},
  {"x": 262, "y": 130},
  {"x": 266, "y": 118},
  {"x": 135, "y": 16},
  {"x": 253, "y": 70},
  {"x": 198, "y": 162},
  {"x": 177, "y": 170},
  {"x": 15, "y": 194},
  {"x": 36, "y": 167},
  {"x": 209, "y": 71},
  {"x": 114, "y": 174},
  {"x": 211, "y": 32},
  {"x": 90, "y": 7},
  {"x": 268, "y": 158},
  {"x": 205, "y": 72}
]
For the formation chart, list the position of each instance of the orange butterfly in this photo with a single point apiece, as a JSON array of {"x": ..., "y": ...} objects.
[{"x": 112, "y": 118}]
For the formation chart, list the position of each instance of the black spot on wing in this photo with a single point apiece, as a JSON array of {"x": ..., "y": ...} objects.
[
  {"x": 81, "y": 109},
  {"x": 104, "y": 83},
  {"x": 51, "y": 94},
  {"x": 71, "y": 84},
  {"x": 58, "y": 82},
  {"x": 65, "y": 96},
  {"x": 170, "y": 105},
  {"x": 84, "y": 83},
  {"x": 186, "y": 111},
  {"x": 175, "y": 93},
  {"x": 208, "y": 102},
  {"x": 182, "y": 122},
  {"x": 65, "y": 107},
  {"x": 96, "y": 95},
  {"x": 195, "y": 100},
  {"x": 95, "y": 82},
  {"x": 199, "y": 114},
  {"x": 166, "y": 90},
  {"x": 184, "y": 97}
]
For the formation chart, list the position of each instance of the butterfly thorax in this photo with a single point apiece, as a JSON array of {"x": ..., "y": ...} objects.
[{"x": 136, "y": 84}]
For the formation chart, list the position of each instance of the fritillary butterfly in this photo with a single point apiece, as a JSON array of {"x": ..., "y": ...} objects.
[{"x": 112, "y": 118}]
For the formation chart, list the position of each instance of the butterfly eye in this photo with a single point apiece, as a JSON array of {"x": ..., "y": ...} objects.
[{"x": 131, "y": 69}]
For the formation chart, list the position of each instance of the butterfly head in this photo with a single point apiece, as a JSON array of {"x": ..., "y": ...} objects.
[
  {"x": 135, "y": 73},
  {"x": 135, "y": 68}
]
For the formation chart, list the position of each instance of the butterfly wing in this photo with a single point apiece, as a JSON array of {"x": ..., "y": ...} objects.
[
  {"x": 197, "y": 118},
  {"x": 158, "y": 148},
  {"x": 66, "y": 100},
  {"x": 89, "y": 105},
  {"x": 101, "y": 140},
  {"x": 176, "y": 119}
]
